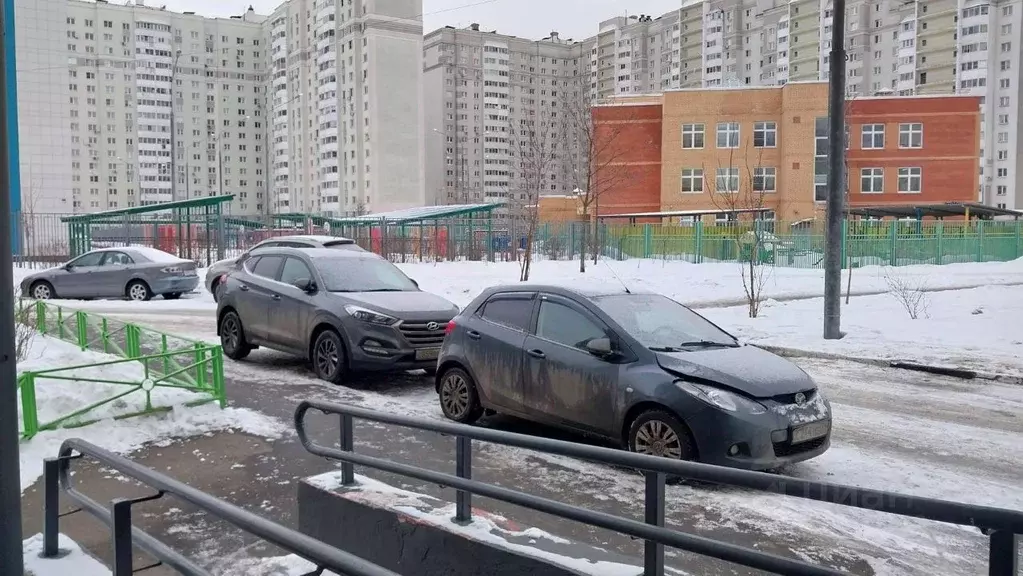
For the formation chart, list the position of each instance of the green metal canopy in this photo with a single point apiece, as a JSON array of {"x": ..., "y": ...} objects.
[
  {"x": 204, "y": 202},
  {"x": 418, "y": 214}
]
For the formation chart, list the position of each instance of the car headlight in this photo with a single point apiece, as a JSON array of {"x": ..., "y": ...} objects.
[
  {"x": 371, "y": 316},
  {"x": 722, "y": 399}
]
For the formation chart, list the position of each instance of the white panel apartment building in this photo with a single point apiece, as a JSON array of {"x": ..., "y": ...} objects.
[
  {"x": 479, "y": 87},
  {"x": 344, "y": 95},
  {"x": 909, "y": 47},
  {"x": 339, "y": 85},
  {"x": 125, "y": 65}
]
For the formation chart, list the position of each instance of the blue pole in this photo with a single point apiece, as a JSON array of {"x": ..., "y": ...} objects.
[{"x": 13, "y": 155}]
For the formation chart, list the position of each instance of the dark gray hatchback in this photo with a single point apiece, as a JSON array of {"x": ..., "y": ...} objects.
[
  {"x": 639, "y": 369},
  {"x": 343, "y": 310}
]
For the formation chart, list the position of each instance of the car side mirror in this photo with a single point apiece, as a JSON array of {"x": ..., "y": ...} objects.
[
  {"x": 69, "y": 267},
  {"x": 305, "y": 285},
  {"x": 600, "y": 347}
]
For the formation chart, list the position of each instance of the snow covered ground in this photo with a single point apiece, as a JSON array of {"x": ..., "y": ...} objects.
[
  {"x": 694, "y": 284},
  {"x": 55, "y": 398},
  {"x": 980, "y": 328},
  {"x": 74, "y": 562}
]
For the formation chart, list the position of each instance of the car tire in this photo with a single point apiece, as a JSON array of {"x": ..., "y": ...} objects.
[
  {"x": 172, "y": 296},
  {"x": 42, "y": 290},
  {"x": 659, "y": 433},
  {"x": 232, "y": 337},
  {"x": 138, "y": 291},
  {"x": 328, "y": 357},
  {"x": 459, "y": 400}
]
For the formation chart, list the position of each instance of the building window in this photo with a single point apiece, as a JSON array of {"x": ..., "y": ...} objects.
[
  {"x": 765, "y": 179},
  {"x": 872, "y": 180},
  {"x": 820, "y": 161},
  {"x": 692, "y": 180},
  {"x": 727, "y": 180},
  {"x": 765, "y": 134},
  {"x": 728, "y": 135},
  {"x": 911, "y": 135},
  {"x": 872, "y": 137},
  {"x": 1001, "y": 190},
  {"x": 910, "y": 180},
  {"x": 692, "y": 135}
]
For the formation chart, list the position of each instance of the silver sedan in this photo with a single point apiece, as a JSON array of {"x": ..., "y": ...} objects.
[{"x": 137, "y": 273}]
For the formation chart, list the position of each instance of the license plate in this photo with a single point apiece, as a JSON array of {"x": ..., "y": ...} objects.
[
  {"x": 191, "y": 273},
  {"x": 810, "y": 431},
  {"x": 427, "y": 354}
]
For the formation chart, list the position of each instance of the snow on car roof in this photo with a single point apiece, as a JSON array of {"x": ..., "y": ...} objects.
[{"x": 154, "y": 255}]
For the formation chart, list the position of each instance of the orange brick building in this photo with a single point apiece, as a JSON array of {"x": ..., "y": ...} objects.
[
  {"x": 627, "y": 151},
  {"x": 765, "y": 147}
]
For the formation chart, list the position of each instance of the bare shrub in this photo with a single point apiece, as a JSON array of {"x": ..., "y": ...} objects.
[
  {"x": 24, "y": 329},
  {"x": 910, "y": 293}
]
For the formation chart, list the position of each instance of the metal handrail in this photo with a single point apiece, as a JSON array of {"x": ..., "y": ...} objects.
[
  {"x": 57, "y": 476},
  {"x": 1001, "y": 525}
]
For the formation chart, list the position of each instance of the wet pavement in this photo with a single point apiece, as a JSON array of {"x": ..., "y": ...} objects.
[{"x": 929, "y": 435}]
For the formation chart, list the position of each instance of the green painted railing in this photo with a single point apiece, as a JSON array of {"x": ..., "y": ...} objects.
[{"x": 168, "y": 362}]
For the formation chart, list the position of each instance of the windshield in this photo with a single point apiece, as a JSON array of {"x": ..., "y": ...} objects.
[
  {"x": 362, "y": 275},
  {"x": 658, "y": 322}
]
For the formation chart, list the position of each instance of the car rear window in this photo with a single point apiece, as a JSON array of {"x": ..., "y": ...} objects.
[{"x": 511, "y": 312}]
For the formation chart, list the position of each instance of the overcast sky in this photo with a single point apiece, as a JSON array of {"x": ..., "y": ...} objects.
[{"x": 533, "y": 19}]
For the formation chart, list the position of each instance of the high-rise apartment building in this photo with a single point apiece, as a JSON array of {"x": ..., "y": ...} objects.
[
  {"x": 482, "y": 92},
  {"x": 344, "y": 94},
  {"x": 319, "y": 104}
]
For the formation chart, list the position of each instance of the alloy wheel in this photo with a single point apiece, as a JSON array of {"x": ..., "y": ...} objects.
[
  {"x": 137, "y": 292},
  {"x": 229, "y": 333},
  {"x": 454, "y": 395},
  {"x": 41, "y": 292},
  {"x": 657, "y": 438},
  {"x": 327, "y": 357}
]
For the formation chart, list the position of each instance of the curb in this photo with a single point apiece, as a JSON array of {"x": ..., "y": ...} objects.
[{"x": 951, "y": 371}]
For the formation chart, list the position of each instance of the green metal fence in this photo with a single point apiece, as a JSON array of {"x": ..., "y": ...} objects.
[
  {"x": 799, "y": 244},
  {"x": 150, "y": 363}
]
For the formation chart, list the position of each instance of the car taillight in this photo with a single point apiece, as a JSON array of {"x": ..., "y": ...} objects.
[
  {"x": 450, "y": 327},
  {"x": 171, "y": 270}
]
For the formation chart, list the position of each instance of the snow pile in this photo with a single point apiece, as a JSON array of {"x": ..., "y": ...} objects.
[
  {"x": 694, "y": 284},
  {"x": 158, "y": 256},
  {"x": 76, "y": 561},
  {"x": 980, "y": 328},
  {"x": 56, "y": 398}
]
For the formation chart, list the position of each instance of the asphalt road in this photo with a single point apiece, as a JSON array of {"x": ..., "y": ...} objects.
[{"x": 894, "y": 430}]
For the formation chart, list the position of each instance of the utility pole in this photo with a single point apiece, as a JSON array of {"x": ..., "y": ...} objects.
[
  {"x": 11, "y": 561},
  {"x": 836, "y": 178}
]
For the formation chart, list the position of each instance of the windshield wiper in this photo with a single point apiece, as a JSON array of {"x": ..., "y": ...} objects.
[
  {"x": 709, "y": 344},
  {"x": 384, "y": 290},
  {"x": 664, "y": 349}
]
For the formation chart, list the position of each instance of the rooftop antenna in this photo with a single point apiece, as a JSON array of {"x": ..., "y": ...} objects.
[{"x": 615, "y": 274}]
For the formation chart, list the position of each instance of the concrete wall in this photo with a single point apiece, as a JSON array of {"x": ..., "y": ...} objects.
[{"x": 414, "y": 534}]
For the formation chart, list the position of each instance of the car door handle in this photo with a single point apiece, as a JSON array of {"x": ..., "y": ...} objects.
[
  {"x": 244, "y": 288},
  {"x": 536, "y": 353},
  {"x": 276, "y": 297},
  {"x": 473, "y": 334}
]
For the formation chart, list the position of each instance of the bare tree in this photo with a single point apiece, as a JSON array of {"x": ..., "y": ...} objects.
[
  {"x": 534, "y": 145},
  {"x": 739, "y": 187},
  {"x": 911, "y": 294},
  {"x": 600, "y": 159}
]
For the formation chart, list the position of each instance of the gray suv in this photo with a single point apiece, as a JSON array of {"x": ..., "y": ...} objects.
[
  {"x": 343, "y": 310},
  {"x": 218, "y": 270}
]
